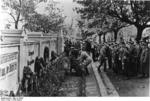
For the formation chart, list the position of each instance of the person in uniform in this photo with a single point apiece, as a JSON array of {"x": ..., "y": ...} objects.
[
  {"x": 116, "y": 59},
  {"x": 67, "y": 47},
  {"x": 138, "y": 54},
  {"x": 88, "y": 46},
  {"x": 132, "y": 59},
  {"x": 93, "y": 50},
  {"x": 103, "y": 58},
  {"x": 121, "y": 52},
  {"x": 85, "y": 59},
  {"x": 37, "y": 66},
  {"x": 109, "y": 55},
  {"x": 145, "y": 61},
  {"x": 125, "y": 61},
  {"x": 113, "y": 57},
  {"x": 119, "y": 60},
  {"x": 74, "y": 61}
]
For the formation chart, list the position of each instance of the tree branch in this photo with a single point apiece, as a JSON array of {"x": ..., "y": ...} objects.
[
  {"x": 148, "y": 20},
  {"x": 121, "y": 16},
  {"x": 12, "y": 16},
  {"x": 145, "y": 26},
  {"x": 123, "y": 26},
  {"x": 21, "y": 19},
  {"x": 10, "y": 21},
  {"x": 132, "y": 4}
]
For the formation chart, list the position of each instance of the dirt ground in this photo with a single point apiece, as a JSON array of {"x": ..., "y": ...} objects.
[
  {"x": 133, "y": 87},
  {"x": 71, "y": 87}
]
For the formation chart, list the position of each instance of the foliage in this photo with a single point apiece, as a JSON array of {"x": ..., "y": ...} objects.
[
  {"x": 98, "y": 18},
  {"x": 50, "y": 80},
  {"x": 115, "y": 14},
  {"x": 38, "y": 22},
  {"x": 25, "y": 10},
  {"x": 17, "y": 9},
  {"x": 132, "y": 12},
  {"x": 45, "y": 22}
]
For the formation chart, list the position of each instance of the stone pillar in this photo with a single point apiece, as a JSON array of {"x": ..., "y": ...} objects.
[
  {"x": 40, "y": 46},
  {"x": 49, "y": 48},
  {"x": 60, "y": 43},
  {"x": 21, "y": 59}
]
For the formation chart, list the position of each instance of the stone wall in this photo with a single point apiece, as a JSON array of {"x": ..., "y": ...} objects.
[{"x": 17, "y": 51}]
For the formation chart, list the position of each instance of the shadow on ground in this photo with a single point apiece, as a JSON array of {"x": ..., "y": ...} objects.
[{"x": 132, "y": 87}]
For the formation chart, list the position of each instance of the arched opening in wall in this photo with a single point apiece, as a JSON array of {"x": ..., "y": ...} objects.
[{"x": 46, "y": 54}]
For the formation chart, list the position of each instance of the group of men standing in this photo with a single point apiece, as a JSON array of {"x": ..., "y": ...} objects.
[
  {"x": 79, "y": 57},
  {"x": 128, "y": 58}
]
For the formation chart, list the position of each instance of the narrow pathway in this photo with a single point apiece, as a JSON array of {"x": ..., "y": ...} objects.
[
  {"x": 71, "y": 87},
  {"x": 91, "y": 85},
  {"x": 95, "y": 84},
  {"x": 105, "y": 86}
]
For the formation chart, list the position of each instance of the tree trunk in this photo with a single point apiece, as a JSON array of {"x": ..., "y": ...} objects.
[
  {"x": 115, "y": 35},
  {"x": 99, "y": 38},
  {"x": 17, "y": 20},
  {"x": 16, "y": 25},
  {"x": 104, "y": 37},
  {"x": 139, "y": 33}
]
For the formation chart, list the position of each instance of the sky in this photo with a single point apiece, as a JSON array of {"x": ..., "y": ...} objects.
[
  {"x": 2, "y": 18},
  {"x": 66, "y": 5}
]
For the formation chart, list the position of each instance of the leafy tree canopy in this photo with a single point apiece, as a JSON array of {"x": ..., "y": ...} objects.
[
  {"x": 25, "y": 10},
  {"x": 114, "y": 14}
]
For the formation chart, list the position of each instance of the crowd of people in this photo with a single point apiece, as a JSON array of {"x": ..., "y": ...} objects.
[
  {"x": 79, "y": 57},
  {"x": 127, "y": 57}
]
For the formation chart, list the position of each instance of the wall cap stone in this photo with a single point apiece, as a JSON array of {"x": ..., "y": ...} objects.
[{"x": 16, "y": 32}]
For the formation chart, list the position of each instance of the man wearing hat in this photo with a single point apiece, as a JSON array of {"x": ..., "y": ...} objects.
[
  {"x": 132, "y": 58},
  {"x": 138, "y": 54},
  {"x": 67, "y": 47},
  {"x": 103, "y": 57},
  {"x": 85, "y": 59},
  {"x": 113, "y": 57},
  {"x": 145, "y": 60}
]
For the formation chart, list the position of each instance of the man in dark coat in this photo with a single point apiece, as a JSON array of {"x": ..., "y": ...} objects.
[
  {"x": 138, "y": 55},
  {"x": 132, "y": 58},
  {"x": 125, "y": 62},
  {"x": 145, "y": 60},
  {"x": 109, "y": 56},
  {"x": 102, "y": 58},
  {"x": 85, "y": 59},
  {"x": 37, "y": 66},
  {"x": 116, "y": 59},
  {"x": 88, "y": 46},
  {"x": 94, "y": 52},
  {"x": 53, "y": 56},
  {"x": 67, "y": 47}
]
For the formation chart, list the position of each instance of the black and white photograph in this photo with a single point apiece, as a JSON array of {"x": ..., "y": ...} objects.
[{"x": 74, "y": 48}]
